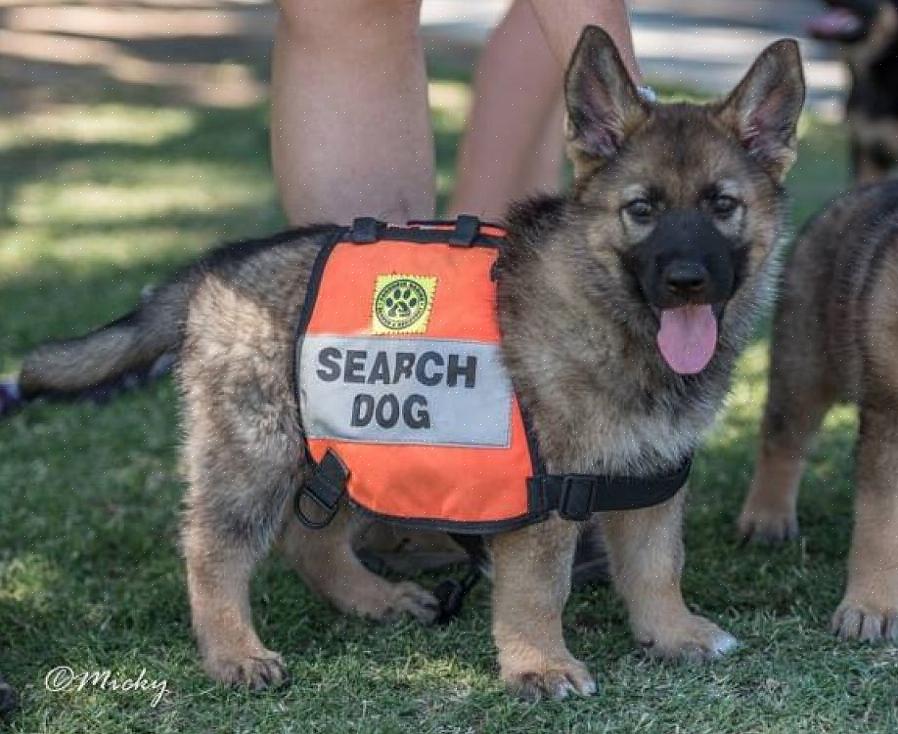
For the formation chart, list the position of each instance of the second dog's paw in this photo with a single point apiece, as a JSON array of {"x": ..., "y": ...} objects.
[
  {"x": 865, "y": 622},
  {"x": 691, "y": 639},
  {"x": 555, "y": 682},
  {"x": 767, "y": 526},
  {"x": 256, "y": 672}
]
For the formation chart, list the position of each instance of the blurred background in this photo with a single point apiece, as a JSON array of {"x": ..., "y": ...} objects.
[
  {"x": 133, "y": 133},
  {"x": 214, "y": 52}
]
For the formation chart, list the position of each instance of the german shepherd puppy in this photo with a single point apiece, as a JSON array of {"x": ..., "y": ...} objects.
[
  {"x": 868, "y": 32},
  {"x": 835, "y": 339},
  {"x": 623, "y": 305}
]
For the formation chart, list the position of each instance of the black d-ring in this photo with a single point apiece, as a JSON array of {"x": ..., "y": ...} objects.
[
  {"x": 329, "y": 512},
  {"x": 325, "y": 487}
]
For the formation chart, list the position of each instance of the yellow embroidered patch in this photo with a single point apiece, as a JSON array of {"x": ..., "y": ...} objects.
[{"x": 402, "y": 303}]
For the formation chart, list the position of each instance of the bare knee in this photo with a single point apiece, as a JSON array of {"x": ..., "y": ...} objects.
[{"x": 334, "y": 22}]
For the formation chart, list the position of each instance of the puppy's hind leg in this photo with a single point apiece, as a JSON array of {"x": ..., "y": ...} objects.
[
  {"x": 325, "y": 560},
  {"x": 243, "y": 457},
  {"x": 229, "y": 527},
  {"x": 769, "y": 512}
]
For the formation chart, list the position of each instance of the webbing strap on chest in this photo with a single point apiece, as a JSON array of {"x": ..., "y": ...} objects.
[
  {"x": 577, "y": 496},
  {"x": 573, "y": 496}
]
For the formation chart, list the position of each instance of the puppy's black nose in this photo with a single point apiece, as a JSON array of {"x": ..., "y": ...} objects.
[{"x": 685, "y": 278}]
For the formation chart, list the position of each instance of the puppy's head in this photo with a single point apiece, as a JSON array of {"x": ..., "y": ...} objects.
[{"x": 680, "y": 203}]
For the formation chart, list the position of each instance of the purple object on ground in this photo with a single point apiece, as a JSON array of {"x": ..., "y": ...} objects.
[{"x": 10, "y": 396}]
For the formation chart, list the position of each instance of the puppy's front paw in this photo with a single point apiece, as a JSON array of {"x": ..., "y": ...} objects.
[
  {"x": 554, "y": 681},
  {"x": 691, "y": 638},
  {"x": 256, "y": 672},
  {"x": 865, "y": 622},
  {"x": 766, "y": 525}
]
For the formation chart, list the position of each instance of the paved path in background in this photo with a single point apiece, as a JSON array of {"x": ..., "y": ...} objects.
[
  {"x": 214, "y": 52},
  {"x": 703, "y": 44}
]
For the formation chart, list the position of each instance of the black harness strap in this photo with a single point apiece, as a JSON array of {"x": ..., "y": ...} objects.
[
  {"x": 573, "y": 496},
  {"x": 577, "y": 496}
]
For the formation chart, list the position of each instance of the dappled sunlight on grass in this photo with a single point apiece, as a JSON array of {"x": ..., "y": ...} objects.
[
  {"x": 450, "y": 103},
  {"x": 78, "y": 254},
  {"x": 821, "y": 171},
  {"x": 833, "y": 457},
  {"x": 26, "y": 577},
  {"x": 750, "y": 383},
  {"x": 95, "y": 207},
  {"x": 841, "y": 418},
  {"x": 183, "y": 188},
  {"x": 106, "y": 123}
]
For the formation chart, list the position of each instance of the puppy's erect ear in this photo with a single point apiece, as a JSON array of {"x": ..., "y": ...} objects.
[
  {"x": 763, "y": 109},
  {"x": 603, "y": 106}
]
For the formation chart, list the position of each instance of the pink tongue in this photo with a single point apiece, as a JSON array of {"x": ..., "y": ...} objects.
[
  {"x": 687, "y": 338},
  {"x": 835, "y": 24}
]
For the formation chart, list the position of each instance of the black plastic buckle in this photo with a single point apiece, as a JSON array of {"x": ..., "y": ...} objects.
[
  {"x": 466, "y": 230},
  {"x": 325, "y": 488},
  {"x": 576, "y": 499},
  {"x": 365, "y": 230},
  {"x": 451, "y": 593}
]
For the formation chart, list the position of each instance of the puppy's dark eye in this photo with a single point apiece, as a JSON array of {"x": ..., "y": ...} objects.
[
  {"x": 723, "y": 205},
  {"x": 640, "y": 210}
]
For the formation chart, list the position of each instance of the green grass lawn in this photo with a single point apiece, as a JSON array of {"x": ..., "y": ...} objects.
[{"x": 95, "y": 203}]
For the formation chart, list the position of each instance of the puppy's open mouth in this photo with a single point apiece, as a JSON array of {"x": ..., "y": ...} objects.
[{"x": 687, "y": 336}]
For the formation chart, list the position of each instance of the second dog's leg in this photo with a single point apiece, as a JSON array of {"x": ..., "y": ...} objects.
[
  {"x": 798, "y": 400},
  {"x": 646, "y": 553},
  {"x": 769, "y": 512},
  {"x": 869, "y": 609}
]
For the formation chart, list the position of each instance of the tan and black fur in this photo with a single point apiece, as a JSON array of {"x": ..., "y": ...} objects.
[
  {"x": 579, "y": 290},
  {"x": 835, "y": 339},
  {"x": 870, "y": 50}
]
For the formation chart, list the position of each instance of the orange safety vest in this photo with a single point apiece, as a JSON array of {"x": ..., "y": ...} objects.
[{"x": 405, "y": 404}]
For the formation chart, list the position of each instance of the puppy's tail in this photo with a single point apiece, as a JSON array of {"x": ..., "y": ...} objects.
[{"x": 129, "y": 351}]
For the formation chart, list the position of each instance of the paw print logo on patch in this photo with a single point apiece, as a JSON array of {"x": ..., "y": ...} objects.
[{"x": 402, "y": 303}]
